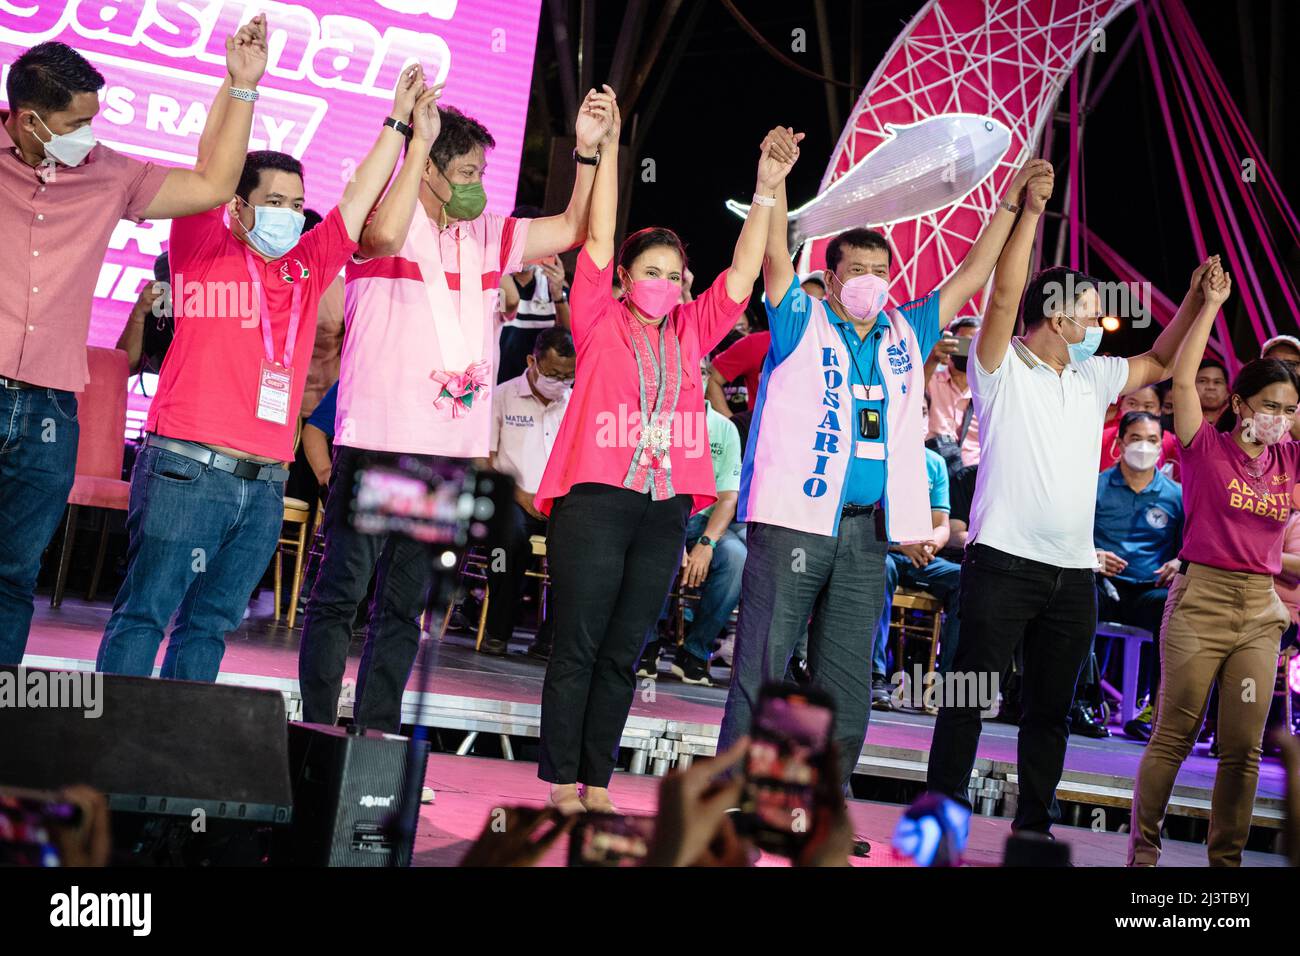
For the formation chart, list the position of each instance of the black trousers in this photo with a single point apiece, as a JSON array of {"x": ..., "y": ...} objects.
[
  {"x": 1004, "y": 599},
  {"x": 612, "y": 555},
  {"x": 506, "y": 576},
  {"x": 404, "y": 573}
]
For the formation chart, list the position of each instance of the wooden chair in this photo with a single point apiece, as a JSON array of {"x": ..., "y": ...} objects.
[
  {"x": 916, "y": 615},
  {"x": 98, "y": 484},
  {"x": 292, "y": 544}
]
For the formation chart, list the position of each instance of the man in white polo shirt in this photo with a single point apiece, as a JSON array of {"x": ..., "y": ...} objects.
[
  {"x": 1029, "y": 568},
  {"x": 526, "y": 415}
]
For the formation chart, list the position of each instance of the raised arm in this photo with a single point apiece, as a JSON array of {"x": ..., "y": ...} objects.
[
  {"x": 1157, "y": 364},
  {"x": 1013, "y": 269},
  {"x": 1216, "y": 286},
  {"x": 778, "y": 271},
  {"x": 603, "y": 218},
  {"x": 223, "y": 145},
  {"x": 551, "y": 235},
  {"x": 778, "y": 153},
  {"x": 976, "y": 268},
  {"x": 385, "y": 232}
]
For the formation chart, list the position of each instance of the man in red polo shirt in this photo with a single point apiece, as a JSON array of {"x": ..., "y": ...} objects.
[
  {"x": 207, "y": 492},
  {"x": 61, "y": 196}
]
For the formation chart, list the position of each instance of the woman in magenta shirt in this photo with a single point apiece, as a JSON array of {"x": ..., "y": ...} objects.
[
  {"x": 630, "y": 464},
  {"x": 1223, "y": 619}
]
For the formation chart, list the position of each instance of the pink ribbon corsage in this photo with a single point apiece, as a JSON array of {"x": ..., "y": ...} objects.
[{"x": 460, "y": 388}]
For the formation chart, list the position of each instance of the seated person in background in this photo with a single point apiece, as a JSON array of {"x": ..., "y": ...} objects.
[
  {"x": 742, "y": 360},
  {"x": 1212, "y": 388},
  {"x": 318, "y": 438},
  {"x": 1137, "y": 531},
  {"x": 526, "y": 415},
  {"x": 715, "y": 562},
  {"x": 918, "y": 566},
  {"x": 961, "y": 495},
  {"x": 952, "y": 414},
  {"x": 327, "y": 349},
  {"x": 150, "y": 327},
  {"x": 1141, "y": 400},
  {"x": 1284, "y": 348},
  {"x": 1287, "y": 584},
  {"x": 533, "y": 299},
  {"x": 814, "y": 284}
]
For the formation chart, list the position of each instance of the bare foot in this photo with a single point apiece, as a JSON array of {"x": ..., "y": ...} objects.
[
  {"x": 596, "y": 800},
  {"x": 564, "y": 797}
]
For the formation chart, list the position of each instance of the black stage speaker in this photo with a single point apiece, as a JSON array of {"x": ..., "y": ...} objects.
[
  {"x": 195, "y": 773},
  {"x": 347, "y": 794}
]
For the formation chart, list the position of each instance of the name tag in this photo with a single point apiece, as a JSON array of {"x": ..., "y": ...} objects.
[{"x": 275, "y": 384}]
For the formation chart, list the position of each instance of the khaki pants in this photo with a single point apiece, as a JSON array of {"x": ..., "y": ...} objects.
[{"x": 1217, "y": 624}]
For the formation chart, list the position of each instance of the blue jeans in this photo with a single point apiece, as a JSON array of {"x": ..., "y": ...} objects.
[
  {"x": 721, "y": 588},
  {"x": 38, "y": 458},
  {"x": 201, "y": 539},
  {"x": 940, "y": 577}
]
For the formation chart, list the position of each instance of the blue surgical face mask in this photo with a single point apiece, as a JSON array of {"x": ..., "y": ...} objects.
[
  {"x": 275, "y": 230},
  {"x": 1082, "y": 351}
]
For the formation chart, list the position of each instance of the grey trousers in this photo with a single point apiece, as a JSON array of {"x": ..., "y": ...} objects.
[{"x": 790, "y": 577}]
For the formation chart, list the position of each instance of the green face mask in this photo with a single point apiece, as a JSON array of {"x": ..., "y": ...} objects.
[{"x": 468, "y": 200}]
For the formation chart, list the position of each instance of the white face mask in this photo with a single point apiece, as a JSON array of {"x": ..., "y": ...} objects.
[
  {"x": 551, "y": 389},
  {"x": 1141, "y": 455},
  {"x": 70, "y": 149}
]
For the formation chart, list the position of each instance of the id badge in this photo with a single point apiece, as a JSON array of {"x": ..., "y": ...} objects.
[
  {"x": 274, "y": 386},
  {"x": 869, "y": 423}
]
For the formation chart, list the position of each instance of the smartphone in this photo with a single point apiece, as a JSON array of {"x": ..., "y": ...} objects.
[
  {"x": 963, "y": 345},
  {"x": 610, "y": 839},
  {"x": 787, "y": 752},
  {"x": 28, "y": 820}
]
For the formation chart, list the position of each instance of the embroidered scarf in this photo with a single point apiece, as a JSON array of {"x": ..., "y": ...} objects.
[{"x": 660, "y": 385}]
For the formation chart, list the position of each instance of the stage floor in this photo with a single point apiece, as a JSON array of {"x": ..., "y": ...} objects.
[
  {"x": 670, "y": 722},
  {"x": 470, "y": 788}
]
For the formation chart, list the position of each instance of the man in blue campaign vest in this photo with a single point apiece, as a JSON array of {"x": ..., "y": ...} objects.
[{"x": 834, "y": 467}]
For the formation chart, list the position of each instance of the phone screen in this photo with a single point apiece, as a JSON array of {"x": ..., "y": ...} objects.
[
  {"x": 26, "y": 825},
  {"x": 608, "y": 839},
  {"x": 788, "y": 744}
]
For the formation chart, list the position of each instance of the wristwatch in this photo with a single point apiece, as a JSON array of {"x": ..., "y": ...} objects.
[
  {"x": 1009, "y": 206},
  {"x": 401, "y": 127},
  {"x": 705, "y": 539},
  {"x": 586, "y": 160}
]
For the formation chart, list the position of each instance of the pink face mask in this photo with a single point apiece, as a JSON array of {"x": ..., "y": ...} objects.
[
  {"x": 655, "y": 297},
  {"x": 863, "y": 297},
  {"x": 1266, "y": 429}
]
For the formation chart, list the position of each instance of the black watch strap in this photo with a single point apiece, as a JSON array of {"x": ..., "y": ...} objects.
[
  {"x": 398, "y": 125},
  {"x": 587, "y": 160}
]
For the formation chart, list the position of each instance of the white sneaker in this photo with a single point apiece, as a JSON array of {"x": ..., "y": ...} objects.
[{"x": 427, "y": 794}]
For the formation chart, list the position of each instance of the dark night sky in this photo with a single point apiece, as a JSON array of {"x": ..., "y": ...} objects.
[{"x": 727, "y": 92}]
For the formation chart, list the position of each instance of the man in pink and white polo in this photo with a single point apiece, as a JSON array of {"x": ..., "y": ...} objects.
[{"x": 417, "y": 378}]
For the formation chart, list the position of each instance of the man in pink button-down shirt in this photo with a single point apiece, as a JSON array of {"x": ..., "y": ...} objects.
[{"x": 61, "y": 195}]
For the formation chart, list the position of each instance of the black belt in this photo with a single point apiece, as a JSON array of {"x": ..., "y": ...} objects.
[
  {"x": 852, "y": 511},
  {"x": 239, "y": 467},
  {"x": 14, "y": 385}
]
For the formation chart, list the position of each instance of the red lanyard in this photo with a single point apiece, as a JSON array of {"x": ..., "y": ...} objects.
[{"x": 264, "y": 312}]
